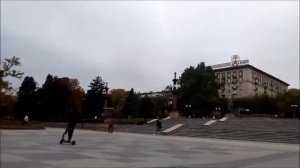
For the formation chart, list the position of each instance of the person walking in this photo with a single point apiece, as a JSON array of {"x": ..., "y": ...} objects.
[
  {"x": 158, "y": 127},
  {"x": 110, "y": 126}
]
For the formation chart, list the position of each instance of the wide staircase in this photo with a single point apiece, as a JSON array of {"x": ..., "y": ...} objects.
[
  {"x": 247, "y": 128},
  {"x": 252, "y": 129},
  {"x": 149, "y": 128}
]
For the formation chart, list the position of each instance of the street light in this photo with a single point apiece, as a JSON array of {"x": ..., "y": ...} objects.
[
  {"x": 189, "y": 109},
  {"x": 175, "y": 84},
  {"x": 105, "y": 91},
  {"x": 174, "y": 91},
  {"x": 106, "y": 88}
]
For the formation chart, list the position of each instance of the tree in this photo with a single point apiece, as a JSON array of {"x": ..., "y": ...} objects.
[
  {"x": 267, "y": 105},
  {"x": 7, "y": 70},
  {"x": 285, "y": 100},
  {"x": 27, "y": 102},
  {"x": 117, "y": 100},
  {"x": 258, "y": 104},
  {"x": 76, "y": 96},
  {"x": 28, "y": 85},
  {"x": 198, "y": 89},
  {"x": 117, "y": 96},
  {"x": 95, "y": 98},
  {"x": 160, "y": 106},
  {"x": 145, "y": 108},
  {"x": 97, "y": 85},
  {"x": 7, "y": 103},
  {"x": 129, "y": 108},
  {"x": 59, "y": 97}
]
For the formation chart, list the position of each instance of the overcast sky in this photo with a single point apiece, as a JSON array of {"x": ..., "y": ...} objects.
[{"x": 140, "y": 45}]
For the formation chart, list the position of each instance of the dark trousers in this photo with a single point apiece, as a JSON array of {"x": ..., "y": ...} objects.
[
  {"x": 110, "y": 128},
  {"x": 70, "y": 130}
]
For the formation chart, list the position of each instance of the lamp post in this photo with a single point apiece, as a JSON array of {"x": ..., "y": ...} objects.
[
  {"x": 294, "y": 107},
  {"x": 175, "y": 91},
  {"x": 107, "y": 113},
  {"x": 189, "y": 110},
  {"x": 218, "y": 109},
  {"x": 105, "y": 91}
]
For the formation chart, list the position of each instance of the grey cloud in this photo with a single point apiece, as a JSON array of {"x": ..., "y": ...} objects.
[{"x": 140, "y": 44}]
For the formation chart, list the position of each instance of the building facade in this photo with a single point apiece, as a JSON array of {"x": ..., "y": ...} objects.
[{"x": 239, "y": 79}]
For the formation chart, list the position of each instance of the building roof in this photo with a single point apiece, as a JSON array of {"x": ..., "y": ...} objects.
[{"x": 251, "y": 67}]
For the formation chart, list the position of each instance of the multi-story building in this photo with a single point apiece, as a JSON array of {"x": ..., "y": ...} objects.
[{"x": 239, "y": 79}]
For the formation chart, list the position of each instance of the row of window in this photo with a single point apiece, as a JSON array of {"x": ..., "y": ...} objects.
[
  {"x": 266, "y": 82},
  {"x": 229, "y": 77}
]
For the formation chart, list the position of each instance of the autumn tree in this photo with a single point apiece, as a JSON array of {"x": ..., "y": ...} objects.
[
  {"x": 117, "y": 100},
  {"x": 60, "y": 96}
]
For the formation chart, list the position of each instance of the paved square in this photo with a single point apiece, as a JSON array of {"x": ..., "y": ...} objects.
[{"x": 41, "y": 149}]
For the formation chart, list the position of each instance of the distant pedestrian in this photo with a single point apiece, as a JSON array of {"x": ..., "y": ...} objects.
[
  {"x": 110, "y": 127},
  {"x": 26, "y": 119},
  {"x": 158, "y": 127}
]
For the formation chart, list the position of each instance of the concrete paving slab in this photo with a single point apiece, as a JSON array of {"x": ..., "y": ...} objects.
[{"x": 41, "y": 149}]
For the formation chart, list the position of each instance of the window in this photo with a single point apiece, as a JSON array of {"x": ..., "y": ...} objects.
[
  {"x": 228, "y": 75},
  {"x": 256, "y": 81},
  {"x": 260, "y": 79},
  {"x": 234, "y": 80},
  {"x": 272, "y": 86},
  {"x": 234, "y": 77},
  {"x": 241, "y": 73},
  {"x": 223, "y": 78},
  {"x": 265, "y": 83},
  {"x": 217, "y": 78},
  {"x": 234, "y": 73}
]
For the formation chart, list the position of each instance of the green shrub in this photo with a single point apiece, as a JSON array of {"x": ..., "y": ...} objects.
[{"x": 217, "y": 114}]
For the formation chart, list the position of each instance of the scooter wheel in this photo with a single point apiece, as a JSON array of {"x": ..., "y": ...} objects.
[
  {"x": 61, "y": 141},
  {"x": 73, "y": 142}
]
